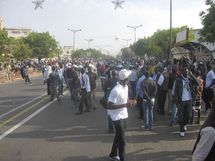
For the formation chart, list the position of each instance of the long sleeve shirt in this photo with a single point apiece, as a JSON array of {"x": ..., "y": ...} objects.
[
  {"x": 205, "y": 144},
  {"x": 139, "y": 90},
  {"x": 85, "y": 82}
]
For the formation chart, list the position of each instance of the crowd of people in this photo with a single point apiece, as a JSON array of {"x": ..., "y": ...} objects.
[
  {"x": 173, "y": 88},
  {"x": 163, "y": 88}
]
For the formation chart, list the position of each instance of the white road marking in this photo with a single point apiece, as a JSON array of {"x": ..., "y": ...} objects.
[
  {"x": 24, "y": 121},
  {"x": 16, "y": 108},
  {"x": 27, "y": 119}
]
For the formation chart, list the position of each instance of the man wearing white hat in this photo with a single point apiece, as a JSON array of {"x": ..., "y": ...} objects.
[{"x": 117, "y": 110}]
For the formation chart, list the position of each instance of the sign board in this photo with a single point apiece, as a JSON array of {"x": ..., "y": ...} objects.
[{"x": 182, "y": 36}]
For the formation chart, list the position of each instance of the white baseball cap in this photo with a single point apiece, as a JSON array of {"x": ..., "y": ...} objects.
[{"x": 124, "y": 74}]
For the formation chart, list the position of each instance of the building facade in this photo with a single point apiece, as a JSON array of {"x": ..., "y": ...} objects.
[
  {"x": 67, "y": 53},
  {"x": 18, "y": 32}
]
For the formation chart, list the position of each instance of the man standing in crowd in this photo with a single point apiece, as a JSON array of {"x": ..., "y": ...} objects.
[
  {"x": 139, "y": 94},
  {"x": 85, "y": 92},
  {"x": 108, "y": 86},
  {"x": 61, "y": 79},
  {"x": 26, "y": 74},
  {"x": 93, "y": 78},
  {"x": 208, "y": 91},
  {"x": 184, "y": 94},
  {"x": 54, "y": 84},
  {"x": 46, "y": 77},
  {"x": 149, "y": 88},
  {"x": 117, "y": 109}
]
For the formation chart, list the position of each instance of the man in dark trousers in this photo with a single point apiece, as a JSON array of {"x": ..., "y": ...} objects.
[{"x": 117, "y": 109}]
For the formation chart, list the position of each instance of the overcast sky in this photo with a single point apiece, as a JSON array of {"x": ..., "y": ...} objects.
[{"x": 98, "y": 19}]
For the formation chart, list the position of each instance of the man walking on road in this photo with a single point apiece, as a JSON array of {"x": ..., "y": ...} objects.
[{"x": 117, "y": 109}]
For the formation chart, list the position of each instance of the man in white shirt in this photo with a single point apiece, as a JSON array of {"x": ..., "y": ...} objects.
[
  {"x": 85, "y": 92},
  {"x": 117, "y": 109},
  {"x": 208, "y": 91},
  {"x": 204, "y": 148}
]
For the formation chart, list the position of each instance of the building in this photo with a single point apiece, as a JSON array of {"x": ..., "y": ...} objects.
[
  {"x": 18, "y": 32},
  {"x": 1, "y": 24},
  {"x": 67, "y": 52}
]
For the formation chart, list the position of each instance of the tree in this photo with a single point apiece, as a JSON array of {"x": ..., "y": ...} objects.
[
  {"x": 208, "y": 22},
  {"x": 79, "y": 53},
  {"x": 158, "y": 45},
  {"x": 43, "y": 45},
  {"x": 127, "y": 53},
  {"x": 4, "y": 40},
  {"x": 22, "y": 51}
]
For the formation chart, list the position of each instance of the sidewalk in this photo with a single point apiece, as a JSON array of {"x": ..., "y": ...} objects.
[{"x": 15, "y": 76}]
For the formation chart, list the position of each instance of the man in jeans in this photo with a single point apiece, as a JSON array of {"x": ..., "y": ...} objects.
[
  {"x": 184, "y": 94},
  {"x": 117, "y": 109},
  {"x": 149, "y": 88}
]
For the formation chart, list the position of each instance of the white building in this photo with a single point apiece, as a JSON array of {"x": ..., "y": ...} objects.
[
  {"x": 67, "y": 52},
  {"x": 18, "y": 32}
]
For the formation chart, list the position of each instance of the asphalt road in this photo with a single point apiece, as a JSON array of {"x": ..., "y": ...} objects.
[{"x": 52, "y": 131}]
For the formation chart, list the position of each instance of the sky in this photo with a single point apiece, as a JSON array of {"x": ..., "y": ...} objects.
[{"x": 99, "y": 21}]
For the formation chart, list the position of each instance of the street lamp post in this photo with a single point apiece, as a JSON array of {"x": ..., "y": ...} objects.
[
  {"x": 74, "y": 31},
  {"x": 89, "y": 40},
  {"x": 126, "y": 40},
  {"x": 170, "y": 45},
  {"x": 134, "y": 28}
]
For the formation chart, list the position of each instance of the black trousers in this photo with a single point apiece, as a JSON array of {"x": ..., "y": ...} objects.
[
  {"x": 184, "y": 114},
  {"x": 207, "y": 96},
  {"x": 119, "y": 140},
  {"x": 140, "y": 106},
  {"x": 85, "y": 100}
]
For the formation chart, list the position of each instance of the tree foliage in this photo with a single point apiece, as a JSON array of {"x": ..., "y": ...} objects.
[
  {"x": 127, "y": 53},
  {"x": 3, "y": 43},
  {"x": 158, "y": 45},
  {"x": 81, "y": 53},
  {"x": 208, "y": 22},
  {"x": 43, "y": 45},
  {"x": 22, "y": 51}
]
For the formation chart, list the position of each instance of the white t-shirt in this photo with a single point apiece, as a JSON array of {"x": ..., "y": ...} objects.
[
  {"x": 118, "y": 95},
  {"x": 186, "y": 94}
]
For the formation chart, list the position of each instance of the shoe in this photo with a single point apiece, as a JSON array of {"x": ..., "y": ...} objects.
[
  {"x": 78, "y": 113},
  {"x": 197, "y": 122},
  {"x": 182, "y": 134},
  {"x": 115, "y": 158},
  {"x": 150, "y": 128},
  {"x": 185, "y": 128},
  {"x": 110, "y": 131}
]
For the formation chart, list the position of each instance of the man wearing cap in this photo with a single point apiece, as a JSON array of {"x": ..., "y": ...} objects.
[{"x": 117, "y": 109}]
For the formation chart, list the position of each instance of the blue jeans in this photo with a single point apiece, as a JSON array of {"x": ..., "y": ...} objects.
[
  {"x": 173, "y": 118},
  {"x": 148, "y": 113}
]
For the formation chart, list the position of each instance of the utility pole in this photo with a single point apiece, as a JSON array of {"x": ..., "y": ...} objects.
[
  {"x": 134, "y": 28},
  {"x": 74, "y": 31},
  {"x": 170, "y": 45},
  {"x": 89, "y": 40},
  {"x": 126, "y": 40}
]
